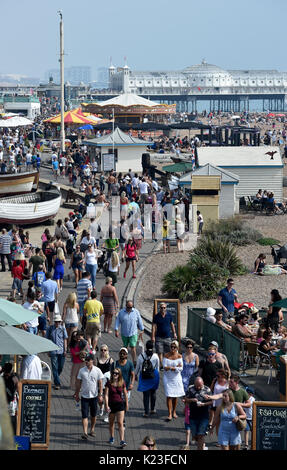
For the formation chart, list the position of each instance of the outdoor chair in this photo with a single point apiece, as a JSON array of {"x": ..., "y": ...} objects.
[
  {"x": 255, "y": 204},
  {"x": 251, "y": 353},
  {"x": 46, "y": 371},
  {"x": 278, "y": 252},
  {"x": 265, "y": 361},
  {"x": 269, "y": 208}
]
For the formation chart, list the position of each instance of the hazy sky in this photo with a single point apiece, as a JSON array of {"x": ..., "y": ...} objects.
[{"x": 152, "y": 34}]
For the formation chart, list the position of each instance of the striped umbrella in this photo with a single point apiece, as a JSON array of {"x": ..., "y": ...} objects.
[{"x": 70, "y": 117}]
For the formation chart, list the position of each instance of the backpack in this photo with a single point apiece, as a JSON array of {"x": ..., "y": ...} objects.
[{"x": 147, "y": 369}]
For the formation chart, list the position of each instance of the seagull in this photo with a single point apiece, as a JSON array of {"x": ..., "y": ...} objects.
[{"x": 271, "y": 154}]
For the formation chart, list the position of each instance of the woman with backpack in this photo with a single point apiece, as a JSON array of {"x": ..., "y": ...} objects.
[{"x": 147, "y": 369}]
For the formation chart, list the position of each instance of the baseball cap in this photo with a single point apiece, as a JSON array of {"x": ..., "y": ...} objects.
[
  {"x": 250, "y": 390},
  {"x": 124, "y": 349},
  {"x": 214, "y": 343}
]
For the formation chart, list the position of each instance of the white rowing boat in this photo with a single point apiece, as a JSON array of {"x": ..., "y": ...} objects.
[
  {"x": 18, "y": 183},
  {"x": 30, "y": 209}
]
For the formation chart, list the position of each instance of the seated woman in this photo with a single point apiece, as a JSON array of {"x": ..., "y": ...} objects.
[
  {"x": 265, "y": 346},
  {"x": 259, "y": 264}
]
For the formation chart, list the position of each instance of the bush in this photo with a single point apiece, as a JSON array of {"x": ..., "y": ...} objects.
[
  {"x": 233, "y": 231},
  {"x": 221, "y": 253},
  {"x": 200, "y": 279},
  {"x": 268, "y": 241}
]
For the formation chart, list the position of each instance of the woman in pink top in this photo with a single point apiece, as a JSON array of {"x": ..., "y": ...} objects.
[
  {"x": 77, "y": 346},
  {"x": 131, "y": 254}
]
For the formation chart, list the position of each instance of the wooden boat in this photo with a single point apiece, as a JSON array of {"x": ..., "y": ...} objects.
[
  {"x": 30, "y": 209},
  {"x": 18, "y": 183}
]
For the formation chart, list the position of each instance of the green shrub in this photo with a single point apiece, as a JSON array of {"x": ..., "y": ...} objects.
[
  {"x": 268, "y": 241},
  {"x": 232, "y": 230},
  {"x": 222, "y": 253},
  {"x": 200, "y": 279}
]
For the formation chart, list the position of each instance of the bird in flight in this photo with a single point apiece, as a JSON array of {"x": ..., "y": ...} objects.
[{"x": 271, "y": 154}]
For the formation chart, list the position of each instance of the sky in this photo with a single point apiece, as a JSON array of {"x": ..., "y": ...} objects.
[{"x": 152, "y": 34}]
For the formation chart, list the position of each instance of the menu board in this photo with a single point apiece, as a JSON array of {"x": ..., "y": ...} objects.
[
  {"x": 173, "y": 307},
  {"x": 269, "y": 426},
  {"x": 108, "y": 160},
  {"x": 34, "y": 411}
]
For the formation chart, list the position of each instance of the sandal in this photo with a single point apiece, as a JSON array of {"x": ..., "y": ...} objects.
[{"x": 84, "y": 437}]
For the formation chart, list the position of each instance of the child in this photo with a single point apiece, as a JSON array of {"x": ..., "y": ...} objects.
[
  {"x": 39, "y": 277},
  {"x": 187, "y": 427},
  {"x": 17, "y": 274},
  {"x": 165, "y": 236},
  {"x": 200, "y": 222},
  {"x": 248, "y": 412}
]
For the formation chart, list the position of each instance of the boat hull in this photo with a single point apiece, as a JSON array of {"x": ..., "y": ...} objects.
[
  {"x": 27, "y": 210},
  {"x": 18, "y": 183}
]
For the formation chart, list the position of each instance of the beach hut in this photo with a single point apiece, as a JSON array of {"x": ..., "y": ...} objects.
[
  {"x": 228, "y": 202},
  {"x": 118, "y": 151},
  {"x": 256, "y": 167}
]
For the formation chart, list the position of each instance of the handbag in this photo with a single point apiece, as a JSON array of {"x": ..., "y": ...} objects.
[{"x": 241, "y": 424}]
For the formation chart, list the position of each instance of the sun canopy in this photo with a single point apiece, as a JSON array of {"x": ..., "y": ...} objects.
[
  {"x": 118, "y": 138},
  {"x": 16, "y": 341},
  {"x": 15, "y": 121},
  {"x": 127, "y": 100},
  {"x": 14, "y": 314}
]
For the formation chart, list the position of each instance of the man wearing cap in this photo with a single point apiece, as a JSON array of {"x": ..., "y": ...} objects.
[
  {"x": 221, "y": 358},
  {"x": 162, "y": 331},
  {"x": 226, "y": 298},
  {"x": 127, "y": 369},
  {"x": 58, "y": 334},
  {"x": 90, "y": 383},
  {"x": 130, "y": 321}
]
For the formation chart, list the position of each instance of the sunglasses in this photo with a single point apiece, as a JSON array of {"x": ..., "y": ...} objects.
[
  {"x": 189, "y": 347},
  {"x": 163, "y": 308},
  {"x": 173, "y": 347},
  {"x": 211, "y": 354},
  {"x": 149, "y": 445},
  {"x": 115, "y": 373},
  {"x": 103, "y": 350}
]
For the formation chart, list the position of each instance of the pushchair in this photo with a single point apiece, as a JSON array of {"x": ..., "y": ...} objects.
[
  {"x": 278, "y": 252},
  {"x": 102, "y": 260}
]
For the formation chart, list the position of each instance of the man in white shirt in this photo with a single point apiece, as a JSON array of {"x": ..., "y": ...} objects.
[
  {"x": 143, "y": 190},
  {"x": 31, "y": 368},
  {"x": 135, "y": 181},
  {"x": 90, "y": 383},
  {"x": 32, "y": 304}
]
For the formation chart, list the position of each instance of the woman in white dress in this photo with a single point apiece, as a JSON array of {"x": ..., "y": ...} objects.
[{"x": 172, "y": 379}]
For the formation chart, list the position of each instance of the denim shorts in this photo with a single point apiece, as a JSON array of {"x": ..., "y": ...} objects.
[
  {"x": 89, "y": 404},
  {"x": 71, "y": 325},
  {"x": 42, "y": 322},
  {"x": 187, "y": 426},
  {"x": 198, "y": 426}
]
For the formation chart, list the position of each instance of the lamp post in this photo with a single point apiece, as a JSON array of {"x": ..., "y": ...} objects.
[{"x": 62, "y": 131}]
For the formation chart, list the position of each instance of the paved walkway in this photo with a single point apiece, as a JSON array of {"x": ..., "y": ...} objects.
[{"x": 65, "y": 419}]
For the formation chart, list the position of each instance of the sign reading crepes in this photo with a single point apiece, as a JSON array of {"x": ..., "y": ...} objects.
[{"x": 34, "y": 411}]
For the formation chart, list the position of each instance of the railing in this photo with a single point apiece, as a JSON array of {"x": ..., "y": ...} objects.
[{"x": 203, "y": 332}]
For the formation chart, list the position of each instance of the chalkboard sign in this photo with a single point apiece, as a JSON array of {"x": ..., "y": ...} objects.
[
  {"x": 34, "y": 411},
  {"x": 283, "y": 379},
  {"x": 269, "y": 428},
  {"x": 173, "y": 307}
]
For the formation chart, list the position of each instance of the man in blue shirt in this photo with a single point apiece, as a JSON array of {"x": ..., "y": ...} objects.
[
  {"x": 226, "y": 298},
  {"x": 50, "y": 292},
  {"x": 162, "y": 329},
  {"x": 58, "y": 334},
  {"x": 130, "y": 321}
]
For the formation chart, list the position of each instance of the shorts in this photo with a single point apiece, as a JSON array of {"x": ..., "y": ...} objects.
[
  {"x": 79, "y": 267},
  {"x": 131, "y": 259},
  {"x": 17, "y": 284},
  {"x": 187, "y": 426},
  {"x": 198, "y": 426},
  {"x": 93, "y": 329},
  {"x": 89, "y": 404},
  {"x": 42, "y": 322},
  {"x": 162, "y": 345},
  {"x": 130, "y": 341},
  {"x": 71, "y": 325},
  {"x": 116, "y": 407},
  {"x": 248, "y": 425}
]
